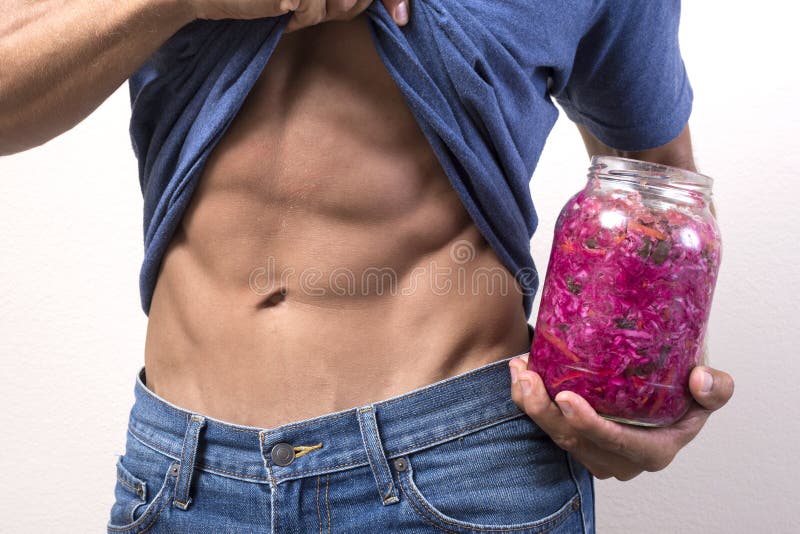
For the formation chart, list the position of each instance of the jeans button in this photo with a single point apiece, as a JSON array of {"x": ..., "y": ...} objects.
[{"x": 282, "y": 454}]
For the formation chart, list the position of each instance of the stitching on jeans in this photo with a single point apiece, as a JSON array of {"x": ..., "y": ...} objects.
[
  {"x": 262, "y": 442},
  {"x": 540, "y": 528},
  {"x": 319, "y": 513},
  {"x": 190, "y": 466},
  {"x": 372, "y": 466},
  {"x": 129, "y": 486},
  {"x": 183, "y": 445},
  {"x": 199, "y": 466},
  {"x": 452, "y": 380},
  {"x": 273, "y": 479},
  {"x": 326, "y": 467},
  {"x": 183, "y": 449},
  {"x": 327, "y": 507},
  {"x": 243, "y": 430},
  {"x": 234, "y": 473},
  {"x": 421, "y": 515},
  {"x": 321, "y": 419},
  {"x": 446, "y": 382},
  {"x": 393, "y": 453},
  {"x": 268, "y": 509},
  {"x": 375, "y": 471},
  {"x": 372, "y": 428},
  {"x": 577, "y": 487},
  {"x": 482, "y": 423},
  {"x": 190, "y": 462},
  {"x": 474, "y": 372},
  {"x": 183, "y": 413},
  {"x": 145, "y": 528}
]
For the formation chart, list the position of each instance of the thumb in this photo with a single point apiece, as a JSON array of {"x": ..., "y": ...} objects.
[
  {"x": 398, "y": 9},
  {"x": 711, "y": 388}
]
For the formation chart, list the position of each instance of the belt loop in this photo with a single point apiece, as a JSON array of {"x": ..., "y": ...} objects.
[
  {"x": 376, "y": 456},
  {"x": 183, "y": 485}
]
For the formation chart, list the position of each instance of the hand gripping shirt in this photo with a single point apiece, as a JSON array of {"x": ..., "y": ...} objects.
[{"x": 479, "y": 76}]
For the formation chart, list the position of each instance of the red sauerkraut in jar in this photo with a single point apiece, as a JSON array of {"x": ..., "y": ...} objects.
[{"x": 628, "y": 291}]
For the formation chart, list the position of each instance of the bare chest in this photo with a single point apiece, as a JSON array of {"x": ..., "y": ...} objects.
[{"x": 326, "y": 128}]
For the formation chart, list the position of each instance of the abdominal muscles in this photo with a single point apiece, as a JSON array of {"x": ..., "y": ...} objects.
[{"x": 325, "y": 261}]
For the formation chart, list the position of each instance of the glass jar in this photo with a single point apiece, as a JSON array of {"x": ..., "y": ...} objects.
[{"x": 628, "y": 291}]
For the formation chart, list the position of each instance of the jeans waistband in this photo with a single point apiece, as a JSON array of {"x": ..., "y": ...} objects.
[{"x": 337, "y": 441}]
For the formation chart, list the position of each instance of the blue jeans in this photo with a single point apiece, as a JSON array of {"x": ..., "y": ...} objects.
[{"x": 454, "y": 456}]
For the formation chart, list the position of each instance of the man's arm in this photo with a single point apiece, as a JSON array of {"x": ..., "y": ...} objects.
[
  {"x": 61, "y": 59},
  {"x": 676, "y": 153}
]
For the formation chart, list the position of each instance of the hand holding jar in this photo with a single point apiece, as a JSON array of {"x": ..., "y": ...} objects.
[{"x": 625, "y": 304}]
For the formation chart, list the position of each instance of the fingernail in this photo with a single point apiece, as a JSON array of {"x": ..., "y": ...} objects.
[
  {"x": 526, "y": 386},
  {"x": 708, "y": 381},
  {"x": 287, "y": 5},
  {"x": 566, "y": 408},
  {"x": 514, "y": 375},
  {"x": 401, "y": 13}
]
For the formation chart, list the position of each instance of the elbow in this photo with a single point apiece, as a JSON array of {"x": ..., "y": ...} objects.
[
  {"x": 676, "y": 153},
  {"x": 9, "y": 143},
  {"x": 19, "y": 130},
  {"x": 9, "y": 125},
  {"x": 16, "y": 132}
]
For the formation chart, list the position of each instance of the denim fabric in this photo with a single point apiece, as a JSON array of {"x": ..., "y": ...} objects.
[
  {"x": 478, "y": 77},
  {"x": 454, "y": 456}
]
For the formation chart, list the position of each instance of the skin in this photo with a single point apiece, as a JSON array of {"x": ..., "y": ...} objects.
[
  {"x": 305, "y": 12},
  {"x": 316, "y": 187},
  {"x": 369, "y": 193},
  {"x": 62, "y": 59}
]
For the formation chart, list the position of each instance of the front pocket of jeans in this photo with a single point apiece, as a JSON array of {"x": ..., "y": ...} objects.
[
  {"x": 506, "y": 477},
  {"x": 144, "y": 489}
]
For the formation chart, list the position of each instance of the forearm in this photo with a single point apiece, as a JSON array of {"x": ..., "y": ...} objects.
[
  {"x": 676, "y": 153},
  {"x": 61, "y": 59}
]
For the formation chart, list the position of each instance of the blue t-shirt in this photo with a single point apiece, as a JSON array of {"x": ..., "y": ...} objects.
[{"x": 479, "y": 77}]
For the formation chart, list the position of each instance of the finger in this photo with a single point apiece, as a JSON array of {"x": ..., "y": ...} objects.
[
  {"x": 516, "y": 366},
  {"x": 690, "y": 424},
  {"x": 346, "y": 10},
  {"x": 341, "y": 9},
  {"x": 536, "y": 403},
  {"x": 602, "y": 463},
  {"x": 398, "y": 9},
  {"x": 307, "y": 13},
  {"x": 288, "y": 5},
  {"x": 711, "y": 388},
  {"x": 243, "y": 10},
  {"x": 653, "y": 449}
]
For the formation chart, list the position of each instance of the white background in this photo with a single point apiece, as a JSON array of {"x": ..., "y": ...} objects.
[{"x": 72, "y": 331}]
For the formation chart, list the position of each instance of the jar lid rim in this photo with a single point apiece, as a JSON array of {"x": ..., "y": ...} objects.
[{"x": 607, "y": 165}]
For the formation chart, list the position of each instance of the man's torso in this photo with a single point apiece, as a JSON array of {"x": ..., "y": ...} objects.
[{"x": 325, "y": 261}]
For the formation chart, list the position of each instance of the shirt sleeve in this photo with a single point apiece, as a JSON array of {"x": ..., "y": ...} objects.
[{"x": 628, "y": 84}]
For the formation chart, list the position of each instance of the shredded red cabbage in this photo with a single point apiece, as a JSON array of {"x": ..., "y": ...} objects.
[{"x": 625, "y": 304}]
